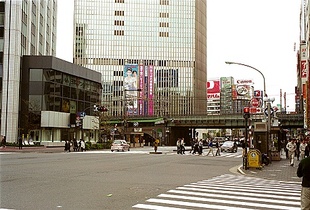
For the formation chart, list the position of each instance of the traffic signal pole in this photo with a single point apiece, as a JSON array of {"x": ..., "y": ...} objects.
[{"x": 246, "y": 115}]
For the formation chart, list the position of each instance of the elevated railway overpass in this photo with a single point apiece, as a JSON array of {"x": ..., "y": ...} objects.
[{"x": 170, "y": 128}]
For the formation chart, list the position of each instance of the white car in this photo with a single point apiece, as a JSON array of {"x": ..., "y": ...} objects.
[{"x": 120, "y": 145}]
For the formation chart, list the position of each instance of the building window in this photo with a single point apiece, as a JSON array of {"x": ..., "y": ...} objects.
[
  {"x": 118, "y": 32},
  {"x": 164, "y": 34},
  {"x": 164, "y": 2},
  {"x": 119, "y": 13},
  {"x": 164, "y": 14},
  {"x": 118, "y": 22},
  {"x": 119, "y": 1},
  {"x": 163, "y": 24}
]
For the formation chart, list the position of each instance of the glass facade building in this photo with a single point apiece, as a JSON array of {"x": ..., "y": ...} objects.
[
  {"x": 163, "y": 42},
  {"x": 56, "y": 91},
  {"x": 26, "y": 28}
]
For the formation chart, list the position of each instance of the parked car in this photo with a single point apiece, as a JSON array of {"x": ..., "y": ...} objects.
[
  {"x": 120, "y": 145},
  {"x": 229, "y": 146}
]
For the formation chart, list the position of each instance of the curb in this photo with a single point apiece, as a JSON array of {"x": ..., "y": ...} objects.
[{"x": 239, "y": 169}]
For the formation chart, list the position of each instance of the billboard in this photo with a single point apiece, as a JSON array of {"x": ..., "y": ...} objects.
[
  {"x": 131, "y": 79},
  {"x": 213, "y": 89}
]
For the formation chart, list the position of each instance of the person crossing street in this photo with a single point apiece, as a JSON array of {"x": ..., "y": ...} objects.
[{"x": 291, "y": 148}]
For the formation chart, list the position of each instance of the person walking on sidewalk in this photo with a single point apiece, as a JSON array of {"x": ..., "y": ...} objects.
[
  {"x": 3, "y": 142},
  {"x": 304, "y": 172},
  {"x": 291, "y": 148},
  {"x": 302, "y": 149},
  {"x": 20, "y": 143}
]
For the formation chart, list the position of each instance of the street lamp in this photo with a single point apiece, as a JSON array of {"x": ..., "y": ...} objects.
[
  {"x": 265, "y": 101},
  {"x": 241, "y": 64}
]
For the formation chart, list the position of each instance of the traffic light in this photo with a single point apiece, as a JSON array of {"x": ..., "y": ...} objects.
[
  {"x": 102, "y": 109},
  {"x": 246, "y": 112}
]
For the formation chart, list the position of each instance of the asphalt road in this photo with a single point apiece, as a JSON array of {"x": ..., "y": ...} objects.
[{"x": 115, "y": 181}]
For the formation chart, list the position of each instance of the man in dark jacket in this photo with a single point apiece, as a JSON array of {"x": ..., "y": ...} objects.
[{"x": 304, "y": 172}]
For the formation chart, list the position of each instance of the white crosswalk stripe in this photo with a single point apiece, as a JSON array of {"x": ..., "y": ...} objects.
[
  {"x": 223, "y": 154},
  {"x": 229, "y": 192}
]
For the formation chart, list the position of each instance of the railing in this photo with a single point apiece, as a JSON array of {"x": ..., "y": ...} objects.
[{"x": 222, "y": 120}]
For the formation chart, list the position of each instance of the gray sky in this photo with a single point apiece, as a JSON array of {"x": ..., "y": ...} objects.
[{"x": 259, "y": 33}]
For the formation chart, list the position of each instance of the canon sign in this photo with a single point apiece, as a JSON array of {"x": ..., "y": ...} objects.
[{"x": 244, "y": 81}]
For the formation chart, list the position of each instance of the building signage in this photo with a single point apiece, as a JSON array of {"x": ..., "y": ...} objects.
[
  {"x": 141, "y": 86},
  {"x": 131, "y": 78},
  {"x": 245, "y": 81},
  {"x": 213, "y": 89},
  {"x": 150, "y": 90},
  {"x": 303, "y": 62}
]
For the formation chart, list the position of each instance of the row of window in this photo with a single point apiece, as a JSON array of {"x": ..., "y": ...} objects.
[
  {"x": 119, "y": 22},
  {"x": 122, "y": 33},
  {"x": 59, "y": 104},
  {"x": 161, "y": 2},
  {"x": 121, "y": 62},
  {"x": 52, "y": 89},
  {"x": 58, "y": 78},
  {"x": 122, "y": 23},
  {"x": 164, "y": 34}
]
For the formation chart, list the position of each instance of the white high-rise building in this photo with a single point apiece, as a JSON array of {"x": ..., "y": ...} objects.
[
  {"x": 162, "y": 44},
  {"x": 26, "y": 28}
]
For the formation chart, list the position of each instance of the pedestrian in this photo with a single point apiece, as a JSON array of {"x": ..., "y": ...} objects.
[
  {"x": 304, "y": 172},
  {"x": 307, "y": 150},
  {"x": 3, "y": 142},
  {"x": 196, "y": 146},
  {"x": 297, "y": 151},
  {"x": 218, "y": 148},
  {"x": 200, "y": 145},
  {"x": 291, "y": 147},
  {"x": 192, "y": 145},
  {"x": 182, "y": 146},
  {"x": 67, "y": 146},
  {"x": 75, "y": 145},
  {"x": 179, "y": 146},
  {"x": 302, "y": 149},
  {"x": 82, "y": 142},
  {"x": 156, "y": 145},
  {"x": 20, "y": 142},
  {"x": 210, "y": 148}
]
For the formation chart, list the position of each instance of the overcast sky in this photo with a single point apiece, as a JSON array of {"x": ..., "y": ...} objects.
[{"x": 259, "y": 33}]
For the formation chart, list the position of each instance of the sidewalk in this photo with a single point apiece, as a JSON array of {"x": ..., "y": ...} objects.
[
  {"x": 277, "y": 170},
  {"x": 42, "y": 149}
]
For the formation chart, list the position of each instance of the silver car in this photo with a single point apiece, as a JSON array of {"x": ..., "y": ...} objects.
[
  {"x": 120, "y": 145},
  {"x": 229, "y": 146}
]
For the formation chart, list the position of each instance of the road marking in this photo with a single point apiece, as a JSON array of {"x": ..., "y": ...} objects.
[{"x": 229, "y": 191}]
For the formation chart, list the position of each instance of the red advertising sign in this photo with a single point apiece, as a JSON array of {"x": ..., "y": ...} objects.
[
  {"x": 213, "y": 86},
  {"x": 303, "y": 67}
]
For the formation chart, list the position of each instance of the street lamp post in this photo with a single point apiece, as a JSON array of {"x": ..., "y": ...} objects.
[
  {"x": 265, "y": 101},
  {"x": 241, "y": 64}
]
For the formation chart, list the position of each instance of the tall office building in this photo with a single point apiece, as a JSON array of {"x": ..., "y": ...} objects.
[
  {"x": 26, "y": 28},
  {"x": 151, "y": 54}
]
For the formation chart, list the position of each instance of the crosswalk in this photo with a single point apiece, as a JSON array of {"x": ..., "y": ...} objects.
[
  {"x": 223, "y": 154},
  {"x": 229, "y": 192}
]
